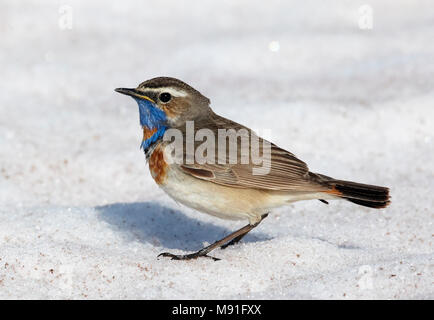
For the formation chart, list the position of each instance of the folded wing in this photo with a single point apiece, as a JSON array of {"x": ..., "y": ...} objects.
[{"x": 282, "y": 171}]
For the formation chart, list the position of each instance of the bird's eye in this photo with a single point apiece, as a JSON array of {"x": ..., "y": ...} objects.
[{"x": 165, "y": 97}]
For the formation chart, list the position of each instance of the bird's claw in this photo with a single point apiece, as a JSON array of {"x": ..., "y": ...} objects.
[{"x": 185, "y": 256}]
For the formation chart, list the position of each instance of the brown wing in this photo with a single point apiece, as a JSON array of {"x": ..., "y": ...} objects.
[{"x": 285, "y": 171}]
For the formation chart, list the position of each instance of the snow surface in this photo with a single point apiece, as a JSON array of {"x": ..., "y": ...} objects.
[{"x": 80, "y": 214}]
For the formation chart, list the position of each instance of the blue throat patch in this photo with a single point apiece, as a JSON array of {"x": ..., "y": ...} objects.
[{"x": 152, "y": 118}]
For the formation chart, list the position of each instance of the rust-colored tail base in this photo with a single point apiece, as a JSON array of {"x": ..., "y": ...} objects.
[{"x": 362, "y": 194}]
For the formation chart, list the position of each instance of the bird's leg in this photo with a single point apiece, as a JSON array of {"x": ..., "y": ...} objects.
[
  {"x": 204, "y": 252},
  {"x": 237, "y": 239}
]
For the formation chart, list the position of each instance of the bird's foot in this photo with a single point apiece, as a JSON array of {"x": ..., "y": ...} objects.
[
  {"x": 186, "y": 256},
  {"x": 229, "y": 240}
]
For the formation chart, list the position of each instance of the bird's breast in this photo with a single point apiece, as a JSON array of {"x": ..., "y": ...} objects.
[
  {"x": 148, "y": 133},
  {"x": 158, "y": 166}
]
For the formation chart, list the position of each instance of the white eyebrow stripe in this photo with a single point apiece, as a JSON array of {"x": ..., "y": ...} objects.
[{"x": 174, "y": 92}]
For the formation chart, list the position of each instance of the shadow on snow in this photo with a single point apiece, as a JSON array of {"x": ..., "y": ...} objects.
[{"x": 160, "y": 225}]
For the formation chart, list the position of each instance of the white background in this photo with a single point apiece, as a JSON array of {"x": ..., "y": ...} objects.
[{"x": 81, "y": 217}]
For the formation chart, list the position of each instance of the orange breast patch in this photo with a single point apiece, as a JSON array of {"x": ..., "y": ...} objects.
[
  {"x": 147, "y": 133},
  {"x": 158, "y": 166}
]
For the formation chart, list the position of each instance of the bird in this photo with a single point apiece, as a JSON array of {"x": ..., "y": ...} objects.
[{"x": 226, "y": 188}]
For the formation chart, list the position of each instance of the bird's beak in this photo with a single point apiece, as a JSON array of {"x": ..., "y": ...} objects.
[{"x": 134, "y": 93}]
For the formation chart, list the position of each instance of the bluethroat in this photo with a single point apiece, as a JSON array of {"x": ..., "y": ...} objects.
[{"x": 226, "y": 188}]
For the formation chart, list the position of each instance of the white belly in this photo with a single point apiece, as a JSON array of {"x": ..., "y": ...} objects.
[
  {"x": 206, "y": 196},
  {"x": 218, "y": 200}
]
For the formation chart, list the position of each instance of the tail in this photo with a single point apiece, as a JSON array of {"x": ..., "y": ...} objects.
[{"x": 361, "y": 194}]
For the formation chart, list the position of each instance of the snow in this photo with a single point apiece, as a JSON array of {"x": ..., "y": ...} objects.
[{"x": 80, "y": 214}]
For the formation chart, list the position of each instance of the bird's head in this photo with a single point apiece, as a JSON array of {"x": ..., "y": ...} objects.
[{"x": 168, "y": 102}]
